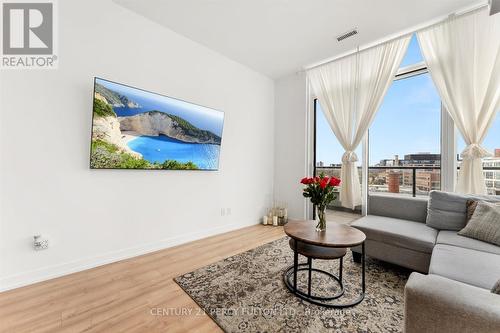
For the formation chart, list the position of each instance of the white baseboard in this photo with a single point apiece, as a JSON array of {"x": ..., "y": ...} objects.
[{"x": 54, "y": 271}]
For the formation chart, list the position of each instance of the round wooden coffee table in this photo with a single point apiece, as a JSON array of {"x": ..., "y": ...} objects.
[{"x": 328, "y": 244}]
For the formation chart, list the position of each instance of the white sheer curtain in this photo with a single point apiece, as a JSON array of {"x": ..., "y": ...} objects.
[
  {"x": 350, "y": 91},
  {"x": 463, "y": 58}
]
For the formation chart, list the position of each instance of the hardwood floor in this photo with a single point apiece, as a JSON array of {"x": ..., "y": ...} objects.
[{"x": 134, "y": 295}]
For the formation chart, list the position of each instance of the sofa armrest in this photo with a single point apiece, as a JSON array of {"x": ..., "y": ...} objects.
[{"x": 436, "y": 304}]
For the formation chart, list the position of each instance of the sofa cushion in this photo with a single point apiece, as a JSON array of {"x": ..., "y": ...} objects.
[
  {"x": 407, "y": 208},
  {"x": 478, "y": 268},
  {"x": 447, "y": 211},
  {"x": 450, "y": 237},
  {"x": 401, "y": 233},
  {"x": 414, "y": 260}
]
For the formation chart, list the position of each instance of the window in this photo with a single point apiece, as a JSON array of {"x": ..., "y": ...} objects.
[
  {"x": 491, "y": 164},
  {"x": 405, "y": 137}
]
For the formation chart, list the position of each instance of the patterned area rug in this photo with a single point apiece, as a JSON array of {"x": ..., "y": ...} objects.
[{"x": 246, "y": 293}]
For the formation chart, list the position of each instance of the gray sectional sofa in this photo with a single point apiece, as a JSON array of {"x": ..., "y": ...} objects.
[{"x": 453, "y": 294}]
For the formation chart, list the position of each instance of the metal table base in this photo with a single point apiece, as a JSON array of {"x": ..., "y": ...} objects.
[{"x": 291, "y": 273}]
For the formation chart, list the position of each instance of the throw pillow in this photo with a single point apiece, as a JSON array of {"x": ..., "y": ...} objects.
[
  {"x": 484, "y": 224},
  {"x": 471, "y": 208},
  {"x": 496, "y": 288}
]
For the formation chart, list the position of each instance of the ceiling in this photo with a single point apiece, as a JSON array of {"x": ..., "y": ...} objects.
[{"x": 279, "y": 37}]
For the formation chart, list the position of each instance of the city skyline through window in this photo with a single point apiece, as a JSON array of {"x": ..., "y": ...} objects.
[{"x": 406, "y": 133}]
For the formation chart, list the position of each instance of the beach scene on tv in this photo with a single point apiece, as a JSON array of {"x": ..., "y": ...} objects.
[{"x": 137, "y": 129}]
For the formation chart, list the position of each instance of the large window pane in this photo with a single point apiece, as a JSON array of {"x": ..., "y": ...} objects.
[{"x": 406, "y": 133}]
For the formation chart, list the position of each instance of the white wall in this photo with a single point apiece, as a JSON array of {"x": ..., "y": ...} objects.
[
  {"x": 291, "y": 139},
  {"x": 97, "y": 216}
]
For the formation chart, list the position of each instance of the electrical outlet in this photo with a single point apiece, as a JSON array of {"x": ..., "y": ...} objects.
[
  {"x": 228, "y": 211},
  {"x": 40, "y": 243}
]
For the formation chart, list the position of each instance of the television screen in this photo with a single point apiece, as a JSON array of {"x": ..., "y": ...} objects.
[{"x": 136, "y": 129}]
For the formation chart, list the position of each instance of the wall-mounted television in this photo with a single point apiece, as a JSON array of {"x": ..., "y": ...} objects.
[{"x": 137, "y": 129}]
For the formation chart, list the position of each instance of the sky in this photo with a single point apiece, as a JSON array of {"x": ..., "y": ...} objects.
[{"x": 408, "y": 121}]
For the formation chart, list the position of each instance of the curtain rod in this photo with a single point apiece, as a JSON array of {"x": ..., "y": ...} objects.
[{"x": 349, "y": 53}]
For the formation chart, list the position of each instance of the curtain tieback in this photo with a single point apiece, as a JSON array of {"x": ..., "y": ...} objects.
[
  {"x": 473, "y": 151},
  {"x": 349, "y": 157}
]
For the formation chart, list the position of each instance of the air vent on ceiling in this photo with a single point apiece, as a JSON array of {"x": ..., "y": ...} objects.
[{"x": 347, "y": 34}]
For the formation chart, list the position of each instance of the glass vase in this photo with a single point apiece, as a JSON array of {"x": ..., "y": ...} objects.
[{"x": 321, "y": 215}]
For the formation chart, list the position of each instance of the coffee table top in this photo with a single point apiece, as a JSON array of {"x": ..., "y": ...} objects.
[{"x": 335, "y": 235}]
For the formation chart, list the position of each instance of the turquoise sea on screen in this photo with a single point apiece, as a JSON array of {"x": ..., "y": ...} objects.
[{"x": 162, "y": 148}]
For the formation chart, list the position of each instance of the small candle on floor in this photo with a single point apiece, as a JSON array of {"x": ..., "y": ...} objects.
[
  {"x": 264, "y": 219},
  {"x": 275, "y": 220}
]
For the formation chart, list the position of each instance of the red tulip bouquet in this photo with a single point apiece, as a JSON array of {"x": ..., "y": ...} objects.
[{"x": 321, "y": 192}]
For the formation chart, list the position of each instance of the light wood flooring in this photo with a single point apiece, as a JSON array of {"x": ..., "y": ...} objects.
[{"x": 133, "y": 295}]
